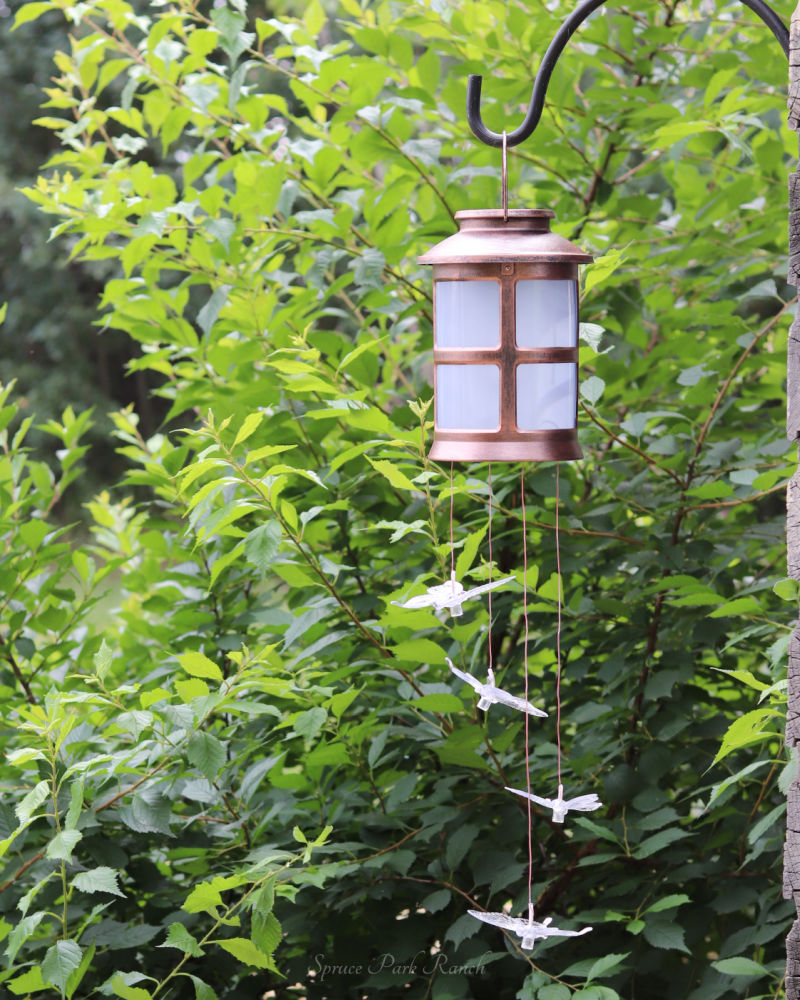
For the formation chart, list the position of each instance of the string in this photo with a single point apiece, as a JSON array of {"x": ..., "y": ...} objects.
[
  {"x": 452, "y": 550},
  {"x": 558, "y": 633},
  {"x": 491, "y": 565},
  {"x": 525, "y": 661}
]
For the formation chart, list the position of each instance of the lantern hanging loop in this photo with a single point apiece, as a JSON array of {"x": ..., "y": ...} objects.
[
  {"x": 504, "y": 180},
  {"x": 554, "y": 50}
]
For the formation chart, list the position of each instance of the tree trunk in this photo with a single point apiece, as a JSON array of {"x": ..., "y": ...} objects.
[{"x": 791, "y": 858}]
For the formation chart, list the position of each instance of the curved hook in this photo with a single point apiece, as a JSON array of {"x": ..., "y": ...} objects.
[{"x": 554, "y": 50}]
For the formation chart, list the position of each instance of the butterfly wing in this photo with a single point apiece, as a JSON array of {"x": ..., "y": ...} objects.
[
  {"x": 560, "y": 933},
  {"x": 421, "y": 601},
  {"x": 547, "y": 803},
  {"x": 584, "y": 803},
  {"x": 508, "y": 923},
  {"x": 484, "y": 587},
  {"x": 519, "y": 703},
  {"x": 467, "y": 678}
]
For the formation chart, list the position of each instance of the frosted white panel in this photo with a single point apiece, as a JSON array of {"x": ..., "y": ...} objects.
[
  {"x": 547, "y": 313},
  {"x": 546, "y": 396},
  {"x": 467, "y": 313},
  {"x": 468, "y": 397}
]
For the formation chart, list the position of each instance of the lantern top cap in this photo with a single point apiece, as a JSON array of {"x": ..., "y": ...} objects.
[
  {"x": 486, "y": 236},
  {"x": 541, "y": 216}
]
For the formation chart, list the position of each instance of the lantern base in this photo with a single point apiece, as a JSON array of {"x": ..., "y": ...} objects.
[{"x": 553, "y": 446}]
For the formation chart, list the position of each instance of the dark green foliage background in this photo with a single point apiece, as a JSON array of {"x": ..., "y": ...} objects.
[{"x": 236, "y": 769}]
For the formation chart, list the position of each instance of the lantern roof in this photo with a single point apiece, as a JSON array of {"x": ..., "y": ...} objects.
[{"x": 484, "y": 236}]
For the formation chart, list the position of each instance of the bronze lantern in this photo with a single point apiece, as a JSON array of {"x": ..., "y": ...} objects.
[{"x": 505, "y": 340}]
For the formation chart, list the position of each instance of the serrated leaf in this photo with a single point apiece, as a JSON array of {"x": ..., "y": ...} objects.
[
  {"x": 31, "y": 802},
  {"x": 266, "y": 931},
  {"x": 204, "y": 898},
  {"x": 60, "y": 961},
  {"x": 207, "y": 754},
  {"x": 246, "y": 952},
  {"x": 745, "y": 730},
  {"x": 102, "y": 879},
  {"x": 178, "y": 937},
  {"x": 62, "y": 845},
  {"x": 199, "y": 665},
  {"x": 661, "y": 934},
  {"x": 262, "y": 545}
]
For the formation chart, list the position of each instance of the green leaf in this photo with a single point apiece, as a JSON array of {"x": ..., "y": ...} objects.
[
  {"x": 266, "y": 931},
  {"x": 60, "y": 961},
  {"x": 76, "y": 978},
  {"x": 668, "y": 903},
  {"x": 102, "y": 879},
  {"x": 202, "y": 991},
  {"x": 744, "y": 730},
  {"x": 466, "y": 556},
  {"x": 29, "y": 12},
  {"x": 439, "y": 703},
  {"x": 788, "y": 589},
  {"x": 592, "y": 388},
  {"x": 605, "y": 966},
  {"x": 204, "y": 898},
  {"x": 29, "y": 982},
  {"x": 262, "y": 545},
  {"x": 419, "y": 651},
  {"x": 178, "y": 937},
  {"x": 602, "y": 268},
  {"x": 250, "y": 425},
  {"x": 121, "y": 989},
  {"x": 199, "y": 665},
  {"x": 658, "y": 841},
  {"x": 390, "y": 471},
  {"x": 740, "y": 967},
  {"x": 206, "y": 753},
  {"x": 663, "y": 934},
  {"x": 62, "y": 845},
  {"x": 31, "y": 802},
  {"x": 309, "y": 723},
  {"x": 246, "y": 952}
]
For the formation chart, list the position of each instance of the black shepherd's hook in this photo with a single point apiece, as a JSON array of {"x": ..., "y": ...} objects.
[{"x": 554, "y": 50}]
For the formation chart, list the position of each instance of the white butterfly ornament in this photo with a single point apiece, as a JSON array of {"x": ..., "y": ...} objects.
[
  {"x": 529, "y": 930},
  {"x": 560, "y": 805},
  {"x": 492, "y": 695},
  {"x": 450, "y": 595}
]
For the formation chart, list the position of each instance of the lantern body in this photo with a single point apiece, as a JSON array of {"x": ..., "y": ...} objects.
[{"x": 505, "y": 347}]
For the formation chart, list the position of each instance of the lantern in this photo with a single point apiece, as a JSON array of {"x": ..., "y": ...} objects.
[{"x": 505, "y": 339}]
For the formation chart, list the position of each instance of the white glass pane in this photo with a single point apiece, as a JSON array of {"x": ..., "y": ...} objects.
[
  {"x": 468, "y": 397},
  {"x": 546, "y": 396},
  {"x": 467, "y": 313},
  {"x": 547, "y": 313}
]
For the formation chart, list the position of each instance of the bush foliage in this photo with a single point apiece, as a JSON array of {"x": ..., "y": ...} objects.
[{"x": 233, "y": 768}]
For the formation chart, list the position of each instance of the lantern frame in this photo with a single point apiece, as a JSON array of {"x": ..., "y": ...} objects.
[{"x": 506, "y": 247}]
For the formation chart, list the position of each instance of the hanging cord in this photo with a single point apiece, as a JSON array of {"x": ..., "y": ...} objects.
[
  {"x": 525, "y": 661},
  {"x": 452, "y": 549},
  {"x": 491, "y": 568},
  {"x": 558, "y": 632}
]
